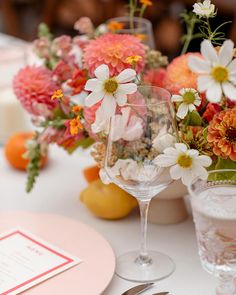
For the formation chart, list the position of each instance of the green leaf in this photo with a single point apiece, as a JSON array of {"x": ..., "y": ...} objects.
[
  {"x": 83, "y": 143},
  {"x": 224, "y": 164},
  {"x": 44, "y": 31},
  {"x": 195, "y": 119}
]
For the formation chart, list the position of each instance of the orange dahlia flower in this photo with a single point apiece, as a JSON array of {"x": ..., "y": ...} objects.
[
  {"x": 179, "y": 75},
  {"x": 222, "y": 134}
]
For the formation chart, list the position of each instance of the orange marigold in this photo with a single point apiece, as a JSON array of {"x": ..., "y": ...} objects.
[
  {"x": 115, "y": 26},
  {"x": 146, "y": 2},
  {"x": 222, "y": 134}
]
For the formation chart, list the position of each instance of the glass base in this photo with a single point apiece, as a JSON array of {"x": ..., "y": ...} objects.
[{"x": 157, "y": 267}]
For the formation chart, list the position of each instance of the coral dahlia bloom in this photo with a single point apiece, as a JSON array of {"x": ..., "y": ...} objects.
[
  {"x": 179, "y": 75},
  {"x": 34, "y": 87},
  {"x": 113, "y": 50},
  {"x": 155, "y": 77},
  {"x": 222, "y": 134}
]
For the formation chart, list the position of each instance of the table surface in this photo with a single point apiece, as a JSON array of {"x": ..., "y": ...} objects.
[{"x": 57, "y": 191}]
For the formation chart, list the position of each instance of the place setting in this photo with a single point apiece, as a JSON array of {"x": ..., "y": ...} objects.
[{"x": 102, "y": 133}]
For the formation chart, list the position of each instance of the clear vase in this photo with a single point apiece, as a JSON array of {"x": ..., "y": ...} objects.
[{"x": 138, "y": 26}]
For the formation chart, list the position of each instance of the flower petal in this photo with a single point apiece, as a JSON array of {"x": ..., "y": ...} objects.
[
  {"x": 121, "y": 99},
  {"x": 102, "y": 72},
  {"x": 232, "y": 66},
  {"x": 191, "y": 107},
  {"x": 226, "y": 52},
  {"x": 128, "y": 88},
  {"x": 176, "y": 98},
  {"x": 209, "y": 52},
  {"x": 93, "y": 98},
  {"x": 200, "y": 172},
  {"x": 204, "y": 82},
  {"x": 187, "y": 176},
  {"x": 204, "y": 161},
  {"x": 181, "y": 147},
  {"x": 182, "y": 110},
  {"x": 214, "y": 92},
  {"x": 176, "y": 172},
  {"x": 108, "y": 105},
  {"x": 229, "y": 90},
  {"x": 93, "y": 85},
  {"x": 198, "y": 65},
  {"x": 126, "y": 76},
  {"x": 164, "y": 160}
]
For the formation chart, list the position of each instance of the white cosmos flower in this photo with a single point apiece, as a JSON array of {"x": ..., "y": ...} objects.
[
  {"x": 189, "y": 98},
  {"x": 205, "y": 9},
  {"x": 216, "y": 70},
  {"x": 184, "y": 163},
  {"x": 112, "y": 91},
  {"x": 129, "y": 127}
]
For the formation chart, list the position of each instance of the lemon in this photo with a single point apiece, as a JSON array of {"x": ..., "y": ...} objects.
[{"x": 107, "y": 201}]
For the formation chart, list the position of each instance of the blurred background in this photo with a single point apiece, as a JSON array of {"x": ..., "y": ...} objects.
[{"x": 20, "y": 18}]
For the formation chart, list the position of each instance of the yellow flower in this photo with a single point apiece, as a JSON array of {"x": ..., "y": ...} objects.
[
  {"x": 75, "y": 126},
  {"x": 141, "y": 37},
  {"x": 115, "y": 26},
  {"x": 76, "y": 109},
  {"x": 146, "y": 2},
  {"x": 133, "y": 59},
  {"x": 58, "y": 94}
]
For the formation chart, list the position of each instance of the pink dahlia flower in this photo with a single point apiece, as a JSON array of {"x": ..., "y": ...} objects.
[
  {"x": 179, "y": 75},
  {"x": 155, "y": 77},
  {"x": 34, "y": 87},
  {"x": 113, "y": 50}
]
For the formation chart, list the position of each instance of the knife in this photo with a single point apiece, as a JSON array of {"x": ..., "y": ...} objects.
[
  {"x": 162, "y": 293},
  {"x": 138, "y": 289}
]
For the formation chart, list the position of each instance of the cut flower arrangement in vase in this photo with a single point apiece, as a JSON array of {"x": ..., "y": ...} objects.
[
  {"x": 150, "y": 122},
  {"x": 85, "y": 81}
]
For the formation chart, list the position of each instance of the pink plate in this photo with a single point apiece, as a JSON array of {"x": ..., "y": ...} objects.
[{"x": 92, "y": 276}]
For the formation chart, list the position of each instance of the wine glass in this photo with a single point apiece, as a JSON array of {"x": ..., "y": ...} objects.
[
  {"x": 136, "y": 136},
  {"x": 214, "y": 210},
  {"x": 139, "y": 27}
]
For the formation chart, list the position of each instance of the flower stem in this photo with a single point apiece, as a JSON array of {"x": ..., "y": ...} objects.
[{"x": 189, "y": 37}]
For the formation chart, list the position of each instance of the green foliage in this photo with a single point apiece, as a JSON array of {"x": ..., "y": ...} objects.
[
  {"x": 83, "y": 143},
  {"x": 34, "y": 155},
  {"x": 223, "y": 164},
  {"x": 200, "y": 27},
  {"x": 44, "y": 31},
  {"x": 195, "y": 119}
]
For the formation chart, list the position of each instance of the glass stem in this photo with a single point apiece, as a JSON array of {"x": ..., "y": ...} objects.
[
  {"x": 226, "y": 285},
  {"x": 143, "y": 207}
]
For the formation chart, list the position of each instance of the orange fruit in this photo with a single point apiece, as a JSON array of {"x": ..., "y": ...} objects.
[
  {"x": 91, "y": 173},
  {"x": 15, "y": 149}
]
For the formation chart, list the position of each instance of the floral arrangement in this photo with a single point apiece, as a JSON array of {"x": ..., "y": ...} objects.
[{"x": 84, "y": 81}]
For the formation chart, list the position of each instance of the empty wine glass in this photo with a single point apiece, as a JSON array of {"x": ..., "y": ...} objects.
[
  {"x": 138, "y": 133},
  {"x": 214, "y": 209},
  {"x": 139, "y": 27}
]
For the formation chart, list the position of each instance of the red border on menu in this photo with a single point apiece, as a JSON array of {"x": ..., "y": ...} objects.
[{"x": 68, "y": 260}]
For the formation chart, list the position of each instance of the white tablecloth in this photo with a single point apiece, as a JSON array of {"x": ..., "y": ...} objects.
[{"x": 57, "y": 191}]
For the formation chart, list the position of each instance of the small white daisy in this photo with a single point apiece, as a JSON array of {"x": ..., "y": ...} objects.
[
  {"x": 184, "y": 163},
  {"x": 205, "y": 9},
  {"x": 189, "y": 99},
  {"x": 112, "y": 91},
  {"x": 216, "y": 70}
]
